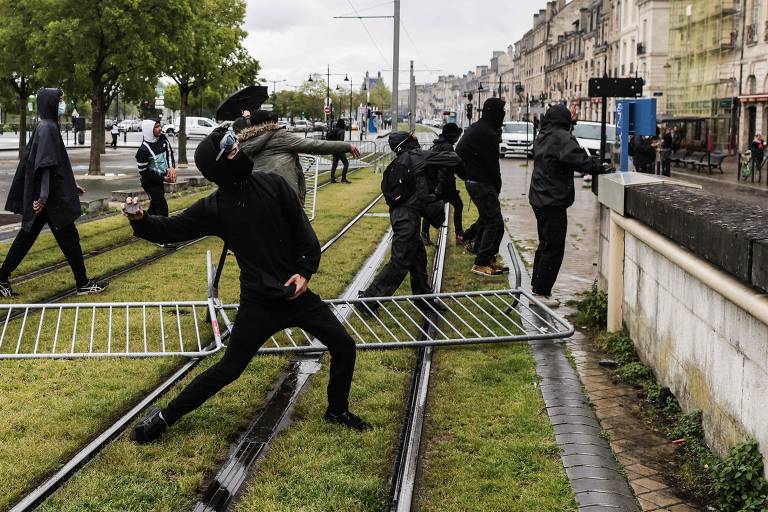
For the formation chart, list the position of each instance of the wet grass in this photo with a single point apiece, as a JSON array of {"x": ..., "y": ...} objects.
[
  {"x": 489, "y": 442},
  {"x": 169, "y": 474},
  {"x": 51, "y": 408},
  {"x": 94, "y": 235}
]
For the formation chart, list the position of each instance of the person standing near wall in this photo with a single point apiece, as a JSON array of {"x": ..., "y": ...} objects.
[{"x": 556, "y": 156}]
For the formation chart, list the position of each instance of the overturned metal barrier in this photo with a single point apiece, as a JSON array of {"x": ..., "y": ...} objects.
[
  {"x": 311, "y": 166},
  {"x": 469, "y": 318}
]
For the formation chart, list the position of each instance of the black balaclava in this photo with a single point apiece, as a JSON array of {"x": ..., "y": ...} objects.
[
  {"x": 402, "y": 141},
  {"x": 240, "y": 124},
  {"x": 493, "y": 112},
  {"x": 48, "y": 103},
  {"x": 262, "y": 117},
  {"x": 224, "y": 172},
  {"x": 451, "y": 132}
]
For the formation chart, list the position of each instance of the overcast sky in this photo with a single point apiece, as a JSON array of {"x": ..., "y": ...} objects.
[{"x": 293, "y": 38}]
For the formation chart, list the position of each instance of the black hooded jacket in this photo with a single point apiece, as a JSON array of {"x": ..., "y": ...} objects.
[
  {"x": 479, "y": 147},
  {"x": 45, "y": 161},
  {"x": 444, "y": 182},
  {"x": 556, "y": 156}
]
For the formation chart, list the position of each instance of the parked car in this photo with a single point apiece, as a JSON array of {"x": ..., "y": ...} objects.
[
  {"x": 196, "y": 127},
  {"x": 516, "y": 139},
  {"x": 319, "y": 126},
  {"x": 129, "y": 125},
  {"x": 301, "y": 125},
  {"x": 588, "y": 135}
]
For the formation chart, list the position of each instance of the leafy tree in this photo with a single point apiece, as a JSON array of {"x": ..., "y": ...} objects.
[
  {"x": 208, "y": 52},
  {"x": 19, "y": 56},
  {"x": 98, "y": 49}
]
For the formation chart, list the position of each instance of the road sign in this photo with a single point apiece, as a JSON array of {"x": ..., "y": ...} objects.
[
  {"x": 327, "y": 110},
  {"x": 615, "y": 87}
]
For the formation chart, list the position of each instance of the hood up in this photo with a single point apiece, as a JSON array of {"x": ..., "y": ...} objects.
[
  {"x": 147, "y": 130},
  {"x": 557, "y": 115},
  {"x": 402, "y": 141},
  {"x": 48, "y": 103},
  {"x": 257, "y": 137},
  {"x": 493, "y": 112}
]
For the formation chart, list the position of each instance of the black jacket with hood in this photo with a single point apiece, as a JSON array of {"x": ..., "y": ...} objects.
[
  {"x": 445, "y": 180},
  {"x": 479, "y": 147},
  {"x": 45, "y": 162},
  {"x": 259, "y": 217},
  {"x": 556, "y": 156}
]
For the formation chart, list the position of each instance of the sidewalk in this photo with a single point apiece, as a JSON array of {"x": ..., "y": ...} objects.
[{"x": 640, "y": 452}]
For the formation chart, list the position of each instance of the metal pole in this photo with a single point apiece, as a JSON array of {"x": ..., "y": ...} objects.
[
  {"x": 328, "y": 117},
  {"x": 412, "y": 102},
  {"x": 396, "y": 66},
  {"x": 350, "y": 109}
]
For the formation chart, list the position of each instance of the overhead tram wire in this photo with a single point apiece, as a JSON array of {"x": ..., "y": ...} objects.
[{"x": 362, "y": 21}]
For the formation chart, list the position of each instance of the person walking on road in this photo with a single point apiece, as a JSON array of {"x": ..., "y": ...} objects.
[
  {"x": 273, "y": 149},
  {"x": 338, "y": 133},
  {"x": 44, "y": 191},
  {"x": 156, "y": 164},
  {"x": 259, "y": 218},
  {"x": 115, "y": 131},
  {"x": 406, "y": 190},
  {"x": 479, "y": 149},
  {"x": 444, "y": 185},
  {"x": 556, "y": 156}
]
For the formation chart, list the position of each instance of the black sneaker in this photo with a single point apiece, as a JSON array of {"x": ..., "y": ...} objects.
[
  {"x": 5, "y": 289},
  {"x": 334, "y": 181},
  {"x": 348, "y": 420},
  {"x": 92, "y": 287},
  {"x": 346, "y": 181},
  {"x": 367, "y": 309},
  {"x": 150, "y": 428}
]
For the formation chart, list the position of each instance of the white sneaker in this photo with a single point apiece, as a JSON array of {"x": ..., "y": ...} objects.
[{"x": 547, "y": 300}]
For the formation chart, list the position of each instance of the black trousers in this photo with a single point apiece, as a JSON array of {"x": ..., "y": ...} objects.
[
  {"x": 114, "y": 141},
  {"x": 490, "y": 224},
  {"x": 408, "y": 256},
  {"x": 254, "y": 325},
  {"x": 335, "y": 164},
  {"x": 67, "y": 237},
  {"x": 552, "y": 224},
  {"x": 454, "y": 199},
  {"x": 666, "y": 162},
  {"x": 156, "y": 192}
]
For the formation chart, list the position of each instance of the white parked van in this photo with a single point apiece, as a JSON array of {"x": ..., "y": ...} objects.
[
  {"x": 516, "y": 139},
  {"x": 588, "y": 135},
  {"x": 196, "y": 126}
]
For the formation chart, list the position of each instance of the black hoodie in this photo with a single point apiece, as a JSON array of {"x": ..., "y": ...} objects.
[
  {"x": 479, "y": 147},
  {"x": 45, "y": 160},
  {"x": 556, "y": 156}
]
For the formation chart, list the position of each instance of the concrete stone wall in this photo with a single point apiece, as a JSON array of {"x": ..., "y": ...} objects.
[{"x": 710, "y": 353}]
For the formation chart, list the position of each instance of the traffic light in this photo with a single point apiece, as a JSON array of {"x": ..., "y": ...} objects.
[{"x": 469, "y": 111}]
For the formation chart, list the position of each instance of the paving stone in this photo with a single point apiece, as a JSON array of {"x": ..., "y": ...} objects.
[
  {"x": 647, "y": 506},
  {"x": 641, "y": 469},
  {"x": 662, "y": 498},
  {"x": 651, "y": 484},
  {"x": 683, "y": 507}
]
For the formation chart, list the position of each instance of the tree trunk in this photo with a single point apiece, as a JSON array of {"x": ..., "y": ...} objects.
[
  {"x": 22, "y": 122},
  {"x": 97, "y": 133},
  {"x": 184, "y": 97}
]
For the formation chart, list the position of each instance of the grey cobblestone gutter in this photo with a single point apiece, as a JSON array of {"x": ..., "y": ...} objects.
[{"x": 587, "y": 457}]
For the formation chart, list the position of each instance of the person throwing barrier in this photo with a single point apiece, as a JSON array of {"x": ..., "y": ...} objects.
[
  {"x": 556, "y": 156},
  {"x": 44, "y": 192},
  {"x": 406, "y": 190},
  {"x": 273, "y": 149},
  {"x": 260, "y": 219}
]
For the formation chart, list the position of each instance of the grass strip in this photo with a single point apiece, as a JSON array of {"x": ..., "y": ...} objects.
[
  {"x": 94, "y": 235},
  {"x": 168, "y": 475},
  {"x": 53, "y": 407},
  {"x": 489, "y": 442}
]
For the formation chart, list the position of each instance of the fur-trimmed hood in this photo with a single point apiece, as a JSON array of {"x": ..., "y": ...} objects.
[{"x": 255, "y": 131}]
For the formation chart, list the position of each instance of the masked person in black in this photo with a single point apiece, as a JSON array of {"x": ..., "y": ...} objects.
[
  {"x": 444, "y": 185},
  {"x": 406, "y": 189},
  {"x": 261, "y": 220},
  {"x": 44, "y": 192},
  {"x": 556, "y": 156},
  {"x": 479, "y": 148},
  {"x": 338, "y": 133}
]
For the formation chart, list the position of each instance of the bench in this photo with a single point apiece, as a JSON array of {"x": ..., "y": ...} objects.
[
  {"x": 693, "y": 159},
  {"x": 679, "y": 155},
  {"x": 715, "y": 162}
]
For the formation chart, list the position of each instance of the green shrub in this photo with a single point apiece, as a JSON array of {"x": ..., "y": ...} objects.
[
  {"x": 739, "y": 481},
  {"x": 634, "y": 373},
  {"x": 620, "y": 346},
  {"x": 592, "y": 310}
]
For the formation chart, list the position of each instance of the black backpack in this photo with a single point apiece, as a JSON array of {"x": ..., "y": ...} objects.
[{"x": 398, "y": 183}]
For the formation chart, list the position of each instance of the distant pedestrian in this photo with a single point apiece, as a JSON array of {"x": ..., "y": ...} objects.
[
  {"x": 156, "y": 164},
  {"x": 757, "y": 150},
  {"x": 338, "y": 133},
  {"x": 667, "y": 144},
  {"x": 44, "y": 191},
  {"x": 273, "y": 149},
  {"x": 479, "y": 149},
  {"x": 556, "y": 156},
  {"x": 115, "y": 131},
  {"x": 445, "y": 183}
]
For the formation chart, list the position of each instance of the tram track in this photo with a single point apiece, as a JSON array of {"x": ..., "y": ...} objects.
[{"x": 69, "y": 468}]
